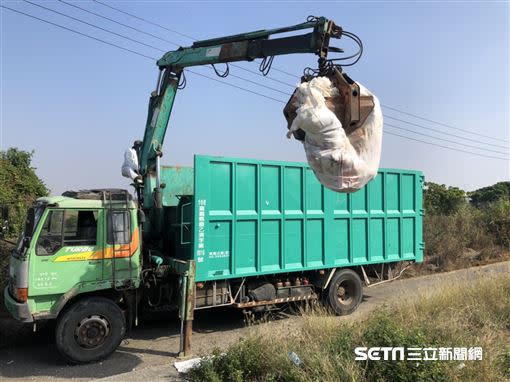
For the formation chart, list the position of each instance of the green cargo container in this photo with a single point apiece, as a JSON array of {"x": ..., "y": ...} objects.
[{"x": 253, "y": 217}]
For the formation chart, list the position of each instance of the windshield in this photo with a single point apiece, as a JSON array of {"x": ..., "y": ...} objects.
[{"x": 33, "y": 216}]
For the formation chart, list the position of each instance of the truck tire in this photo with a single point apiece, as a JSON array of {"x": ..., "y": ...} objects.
[
  {"x": 90, "y": 330},
  {"x": 345, "y": 292}
]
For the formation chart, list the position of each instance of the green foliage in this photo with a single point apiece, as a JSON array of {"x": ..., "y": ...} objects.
[
  {"x": 384, "y": 331},
  {"x": 245, "y": 362},
  {"x": 441, "y": 199},
  {"x": 505, "y": 363},
  {"x": 490, "y": 194},
  {"x": 20, "y": 186},
  {"x": 16, "y": 157}
]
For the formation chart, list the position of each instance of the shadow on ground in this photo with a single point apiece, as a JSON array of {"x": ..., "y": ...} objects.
[{"x": 25, "y": 354}]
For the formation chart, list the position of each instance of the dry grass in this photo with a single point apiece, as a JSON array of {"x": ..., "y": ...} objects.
[
  {"x": 469, "y": 314},
  {"x": 468, "y": 237}
]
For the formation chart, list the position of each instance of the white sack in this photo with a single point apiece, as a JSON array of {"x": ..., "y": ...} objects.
[
  {"x": 342, "y": 163},
  {"x": 130, "y": 165},
  {"x": 187, "y": 365}
]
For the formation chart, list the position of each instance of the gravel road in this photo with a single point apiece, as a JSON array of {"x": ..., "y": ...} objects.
[{"x": 150, "y": 351}]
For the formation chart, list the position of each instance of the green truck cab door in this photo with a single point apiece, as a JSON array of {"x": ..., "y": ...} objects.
[
  {"x": 121, "y": 246},
  {"x": 67, "y": 250}
]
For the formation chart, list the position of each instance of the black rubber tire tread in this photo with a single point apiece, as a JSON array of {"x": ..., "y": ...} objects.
[
  {"x": 72, "y": 316},
  {"x": 342, "y": 276}
]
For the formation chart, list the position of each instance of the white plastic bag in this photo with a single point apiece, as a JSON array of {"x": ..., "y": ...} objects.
[
  {"x": 130, "y": 165},
  {"x": 341, "y": 162}
]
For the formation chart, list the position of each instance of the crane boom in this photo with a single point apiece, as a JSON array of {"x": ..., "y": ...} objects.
[
  {"x": 252, "y": 45},
  {"x": 240, "y": 47}
]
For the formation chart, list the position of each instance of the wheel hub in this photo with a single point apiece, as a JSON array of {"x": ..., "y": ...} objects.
[
  {"x": 344, "y": 294},
  {"x": 92, "y": 331}
]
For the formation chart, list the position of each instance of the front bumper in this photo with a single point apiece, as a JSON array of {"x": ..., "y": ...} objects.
[{"x": 19, "y": 310}]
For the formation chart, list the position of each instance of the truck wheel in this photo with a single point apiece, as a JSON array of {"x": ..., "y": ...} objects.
[
  {"x": 345, "y": 292},
  {"x": 90, "y": 330}
]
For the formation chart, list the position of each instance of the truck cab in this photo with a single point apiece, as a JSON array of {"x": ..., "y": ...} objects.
[{"x": 73, "y": 246}]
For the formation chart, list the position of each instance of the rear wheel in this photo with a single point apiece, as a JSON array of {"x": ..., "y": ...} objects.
[
  {"x": 345, "y": 292},
  {"x": 90, "y": 330}
]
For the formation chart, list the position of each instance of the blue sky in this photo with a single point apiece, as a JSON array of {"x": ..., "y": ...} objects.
[{"x": 79, "y": 103}]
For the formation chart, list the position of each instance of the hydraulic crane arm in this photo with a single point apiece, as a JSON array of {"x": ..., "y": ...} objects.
[
  {"x": 249, "y": 46},
  {"x": 241, "y": 47}
]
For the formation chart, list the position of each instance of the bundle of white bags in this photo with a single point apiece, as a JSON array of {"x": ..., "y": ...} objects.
[
  {"x": 130, "y": 166},
  {"x": 343, "y": 160}
]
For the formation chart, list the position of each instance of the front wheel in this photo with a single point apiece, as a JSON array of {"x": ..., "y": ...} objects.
[
  {"x": 345, "y": 292},
  {"x": 90, "y": 330}
]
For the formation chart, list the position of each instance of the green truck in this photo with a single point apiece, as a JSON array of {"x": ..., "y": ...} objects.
[
  {"x": 249, "y": 234},
  {"x": 256, "y": 234}
]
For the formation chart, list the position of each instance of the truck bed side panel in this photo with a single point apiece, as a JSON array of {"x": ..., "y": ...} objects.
[{"x": 256, "y": 217}]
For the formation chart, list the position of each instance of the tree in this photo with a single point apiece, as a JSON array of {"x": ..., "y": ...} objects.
[
  {"x": 494, "y": 193},
  {"x": 441, "y": 199},
  {"x": 19, "y": 185}
]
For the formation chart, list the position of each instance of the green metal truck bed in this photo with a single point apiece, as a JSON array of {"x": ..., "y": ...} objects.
[{"x": 253, "y": 217}]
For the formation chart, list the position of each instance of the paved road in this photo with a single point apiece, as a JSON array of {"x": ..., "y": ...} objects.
[{"x": 150, "y": 352}]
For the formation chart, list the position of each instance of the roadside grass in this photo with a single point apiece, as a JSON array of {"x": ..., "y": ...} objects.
[{"x": 469, "y": 314}]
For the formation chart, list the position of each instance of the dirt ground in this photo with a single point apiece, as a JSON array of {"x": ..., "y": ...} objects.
[{"x": 150, "y": 351}]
